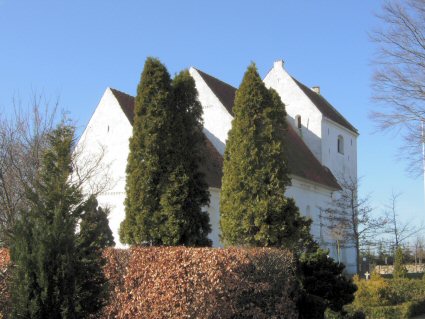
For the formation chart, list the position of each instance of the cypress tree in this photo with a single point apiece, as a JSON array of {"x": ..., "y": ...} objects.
[
  {"x": 149, "y": 155},
  {"x": 57, "y": 273},
  {"x": 165, "y": 190},
  {"x": 253, "y": 207},
  {"x": 43, "y": 248},
  {"x": 94, "y": 226},
  {"x": 186, "y": 192},
  {"x": 400, "y": 270},
  {"x": 94, "y": 236}
]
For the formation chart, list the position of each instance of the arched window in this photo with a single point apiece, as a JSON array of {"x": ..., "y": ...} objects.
[
  {"x": 340, "y": 144},
  {"x": 298, "y": 121}
]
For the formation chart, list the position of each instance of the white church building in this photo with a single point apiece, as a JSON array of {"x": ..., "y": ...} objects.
[{"x": 321, "y": 145}]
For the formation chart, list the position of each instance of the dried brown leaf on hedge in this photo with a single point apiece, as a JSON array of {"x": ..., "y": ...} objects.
[
  {"x": 179, "y": 282},
  {"x": 4, "y": 273}
]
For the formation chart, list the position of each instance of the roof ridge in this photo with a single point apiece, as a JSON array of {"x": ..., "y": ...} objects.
[
  {"x": 223, "y": 91},
  {"x": 120, "y": 92},
  {"x": 338, "y": 118},
  {"x": 217, "y": 79}
]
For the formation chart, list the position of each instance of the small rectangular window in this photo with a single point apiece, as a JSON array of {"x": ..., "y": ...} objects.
[{"x": 340, "y": 144}]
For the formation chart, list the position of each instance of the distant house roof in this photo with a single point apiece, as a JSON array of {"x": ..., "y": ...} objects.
[
  {"x": 325, "y": 107},
  {"x": 213, "y": 164},
  {"x": 301, "y": 161}
]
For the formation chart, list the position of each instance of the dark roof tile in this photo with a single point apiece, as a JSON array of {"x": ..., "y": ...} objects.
[
  {"x": 301, "y": 161},
  {"x": 126, "y": 102},
  {"x": 225, "y": 92},
  {"x": 325, "y": 107}
]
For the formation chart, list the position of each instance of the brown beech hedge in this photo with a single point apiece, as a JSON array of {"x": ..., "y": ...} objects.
[
  {"x": 180, "y": 282},
  {"x": 4, "y": 273}
]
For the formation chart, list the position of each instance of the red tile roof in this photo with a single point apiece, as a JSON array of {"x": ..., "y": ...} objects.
[
  {"x": 325, "y": 107},
  {"x": 213, "y": 164},
  {"x": 224, "y": 92},
  {"x": 301, "y": 161}
]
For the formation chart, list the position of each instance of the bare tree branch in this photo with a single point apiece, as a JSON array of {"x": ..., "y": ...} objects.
[
  {"x": 23, "y": 141},
  {"x": 399, "y": 79},
  {"x": 350, "y": 221},
  {"x": 399, "y": 232}
]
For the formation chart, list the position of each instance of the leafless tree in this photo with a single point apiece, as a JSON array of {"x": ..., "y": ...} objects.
[
  {"x": 351, "y": 222},
  {"x": 23, "y": 136},
  {"x": 399, "y": 79},
  {"x": 419, "y": 249},
  {"x": 398, "y": 231}
]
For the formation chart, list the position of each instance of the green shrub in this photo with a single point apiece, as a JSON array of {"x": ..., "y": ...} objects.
[
  {"x": 401, "y": 290},
  {"x": 369, "y": 292},
  {"x": 389, "y": 298},
  {"x": 402, "y": 311},
  {"x": 337, "y": 315},
  {"x": 417, "y": 308},
  {"x": 323, "y": 285}
]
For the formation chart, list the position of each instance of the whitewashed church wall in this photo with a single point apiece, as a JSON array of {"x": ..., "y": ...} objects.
[
  {"x": 214, "y": 213},
  {"x": 217, "y": 120},
  {"x": 311, "y": 199},
  {"x": 115, "y": 202},
  {"x": 109, "y": 130},
  {"x": 342, "y": 163},
  {"x": 297, "y": 103}
]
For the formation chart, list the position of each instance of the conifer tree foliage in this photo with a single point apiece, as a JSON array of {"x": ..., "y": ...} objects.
[
  {"x": 165, "y": 190},
  {"x": 400, "y": 270},
  {"x": 148, "y": 159},
  {"x": 253, "y": 207},
  {"x": 186, "y": 191},
  {"x": 53, "y": 271},
  {"x": 94, "y": 236},
  {"x": 43, "y": 250},
  {"x": 323, "y": 285}
]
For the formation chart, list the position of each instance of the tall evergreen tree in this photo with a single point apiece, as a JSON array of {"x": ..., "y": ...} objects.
[
  {"x": 43, "y": 249},
  {"x": 93, "y": 237},
  {"x": 400, "y": 270},
  {"x": 57, "y": 274},
  {"x": 254, "y": 209},
  {"x": 165, "y": 190},
  {"x": 186, "y": 192},
  {"x": 149, "y": 155}
]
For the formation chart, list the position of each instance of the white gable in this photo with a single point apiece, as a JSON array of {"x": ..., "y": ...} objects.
[
  {"x": 297, "y": 103},
  {"x": 109, "y": 131},
  {"x": 217, "y": 120}
]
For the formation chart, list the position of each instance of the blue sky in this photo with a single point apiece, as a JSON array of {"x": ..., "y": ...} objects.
[{"x": 75, "y": 49}]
